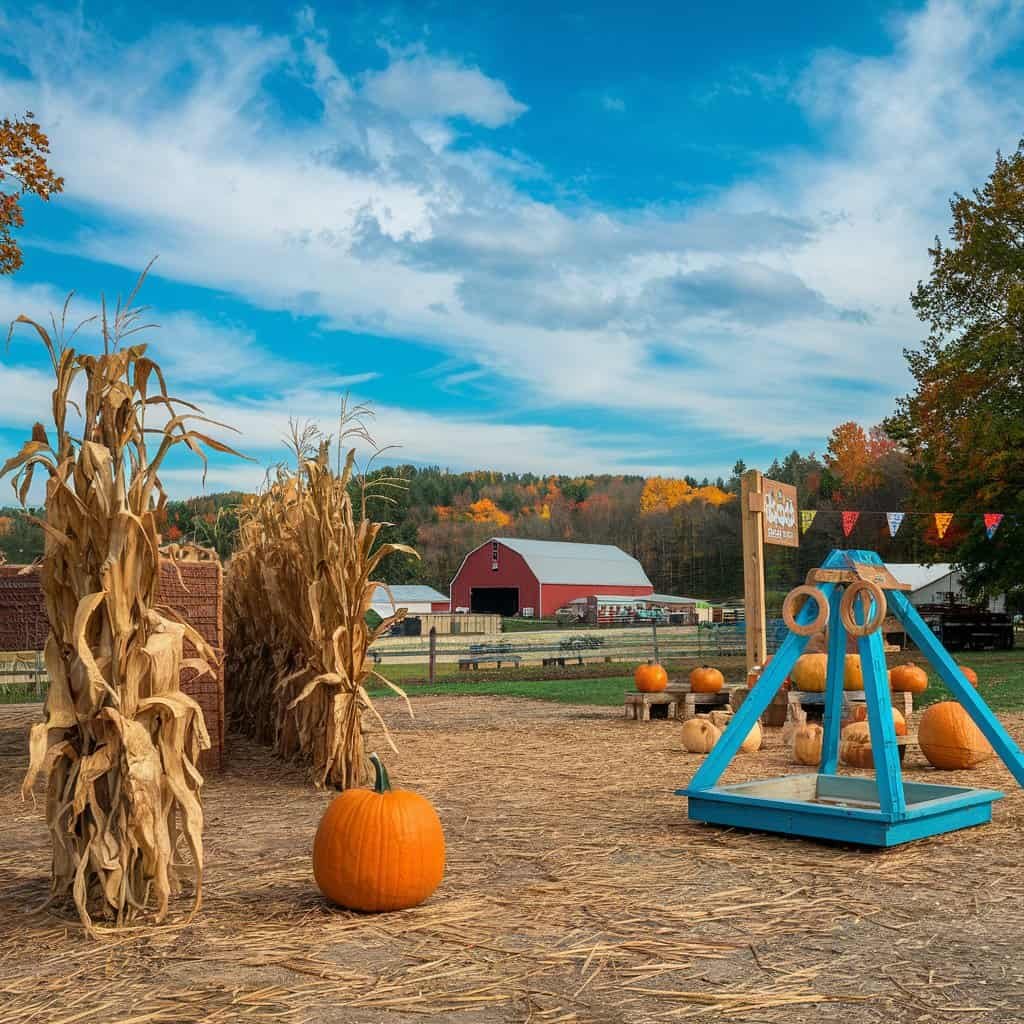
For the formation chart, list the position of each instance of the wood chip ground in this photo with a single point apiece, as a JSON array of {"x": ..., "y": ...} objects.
[{"x": 576, "y": 891}]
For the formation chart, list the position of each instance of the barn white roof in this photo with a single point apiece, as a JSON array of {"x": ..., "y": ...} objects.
[
  {"x": 554, "y": 561},
  {"x": 410, "y": 594},
  {"x": 919, "y": 576}
]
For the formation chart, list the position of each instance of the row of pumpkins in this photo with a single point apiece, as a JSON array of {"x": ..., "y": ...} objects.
[
  {"x": 946, "y": 734},
  {"x": 808, "y": 675}
]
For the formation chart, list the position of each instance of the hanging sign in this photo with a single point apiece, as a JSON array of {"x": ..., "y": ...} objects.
[
  {"x": 779, "y": 514},
  {"x": 806, "y": 518},
  {"x": 942, "y": 521},
  {"x": 849, "y": 522}
]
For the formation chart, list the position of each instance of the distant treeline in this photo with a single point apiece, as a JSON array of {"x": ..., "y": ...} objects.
[{"x": 685, "y": 532}]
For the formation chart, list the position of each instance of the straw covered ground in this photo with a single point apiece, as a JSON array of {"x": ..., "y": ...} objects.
[{"x": 576, "y": 891}]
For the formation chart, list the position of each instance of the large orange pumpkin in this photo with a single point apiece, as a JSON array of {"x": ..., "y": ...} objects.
[
  {"x": 809, "y": 672},
  {"x": 970, "y": 675},
  {"x": 949, "y": 739},
  {"x": 908, "y": 679},
  {"x": 379, "y": 849},
  {"x": 650, "y": 678},
  {"x": 860, "y": 714},
  {"x": 706, "y": 680}
]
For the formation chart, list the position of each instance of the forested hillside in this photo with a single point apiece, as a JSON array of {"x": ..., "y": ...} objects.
[{"x": 686, "y": 532}]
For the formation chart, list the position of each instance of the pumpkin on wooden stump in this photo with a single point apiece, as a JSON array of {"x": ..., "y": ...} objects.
[
  {"x": 809, "y": 673},
  {"x": 970, "y": 675},
  {"x": 650, "y": 678},
  {"x": 908, "y": 679},
  {"x": 853, "y": 674},
  {"x": 699, "y": 735},
  {"x": 949, "y": 739},
  {"x": 379, "y": 849},
  {"x": 706, "y": 680},
  {"x": 855, "y": 746},
  {"x": 860, "y": 714},
  {"x": 807, "y": 741}
]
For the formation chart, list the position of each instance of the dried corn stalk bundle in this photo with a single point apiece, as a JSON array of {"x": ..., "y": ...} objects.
[
  {"x": 296, "y": 596},
  {"x": 119, "y": 740}
]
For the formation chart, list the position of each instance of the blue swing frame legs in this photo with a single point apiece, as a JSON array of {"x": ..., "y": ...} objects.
[{"x": 880, "y": 811}]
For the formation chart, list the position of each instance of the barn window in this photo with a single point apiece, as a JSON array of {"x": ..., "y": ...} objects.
[{"x": 494, "y": 556}]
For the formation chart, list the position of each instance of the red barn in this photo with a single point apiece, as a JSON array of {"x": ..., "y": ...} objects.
[{"x": 511, "y": 576}]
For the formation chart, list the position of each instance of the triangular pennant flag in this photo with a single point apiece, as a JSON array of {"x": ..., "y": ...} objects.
[
  {"x": 992, "y": 521},
  {"x": 806, "y": 518},
  {"x": 849, "y": 522},
  {"x": 942, "y": 521},
  {"x": 895, "y": 522}
]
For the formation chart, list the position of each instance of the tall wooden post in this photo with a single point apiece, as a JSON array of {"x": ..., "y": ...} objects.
[
  {"x": 432, "y": 667},
  {"x": 751, "y": 510}
]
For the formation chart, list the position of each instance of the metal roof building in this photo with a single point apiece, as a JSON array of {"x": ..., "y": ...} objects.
[
  {"x": 936, "y": 584},
  {"x": 513, "y": 576},
  {"x": 418, "y": 599}
]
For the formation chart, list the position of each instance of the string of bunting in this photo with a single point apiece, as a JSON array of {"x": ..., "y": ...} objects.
[{"x": 942, "y": 520}]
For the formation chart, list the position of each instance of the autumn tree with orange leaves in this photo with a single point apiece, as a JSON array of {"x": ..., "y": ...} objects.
[
  {"x": 963, "y": 424},
  {"x": 23, "y": 170}
]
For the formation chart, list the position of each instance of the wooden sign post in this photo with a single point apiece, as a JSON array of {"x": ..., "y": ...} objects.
[{"x": 769, "y": 515}]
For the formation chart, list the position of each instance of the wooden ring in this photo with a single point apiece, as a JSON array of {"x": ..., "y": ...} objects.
[
  {"x": 846, "y": 607},
  {"x": 789, "y": 613}
]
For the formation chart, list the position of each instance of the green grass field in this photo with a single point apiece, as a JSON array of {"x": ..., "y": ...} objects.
[
  {"x": 1000, "y": 674},
  {"x": 1000, "y": 682}
]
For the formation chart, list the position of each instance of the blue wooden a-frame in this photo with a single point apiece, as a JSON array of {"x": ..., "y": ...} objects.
[{"x": 880, "y": 812}]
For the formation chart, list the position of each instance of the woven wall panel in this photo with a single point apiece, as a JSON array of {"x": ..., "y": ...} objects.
[{"x": 196, "y": 595}]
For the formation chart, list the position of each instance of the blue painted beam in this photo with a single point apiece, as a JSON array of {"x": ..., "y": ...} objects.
[
  {"x": 833, "y": 686},
  {"x": 928, "y": 644},
  {"x": 880, "y": 723}
]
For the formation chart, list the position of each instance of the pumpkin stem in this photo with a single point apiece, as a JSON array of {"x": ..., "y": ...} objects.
[{"x": 382, "y": 784}]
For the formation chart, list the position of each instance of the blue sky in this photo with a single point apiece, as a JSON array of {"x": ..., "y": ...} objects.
[{"x": 550, "y": 237}]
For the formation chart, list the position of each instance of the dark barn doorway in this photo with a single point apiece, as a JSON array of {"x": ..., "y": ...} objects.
[{"x": 491, "y": 600}]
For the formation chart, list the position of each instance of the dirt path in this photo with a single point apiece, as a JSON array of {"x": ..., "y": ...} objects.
[{"x": 576, "y": 890}]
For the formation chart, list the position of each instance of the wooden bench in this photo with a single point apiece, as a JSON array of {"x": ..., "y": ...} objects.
[
  {"x": 577, "y": 647},
  {"x": 487, "y": 653},
  {"x": 691, "y": 704},
  {"x": 638, "y": 705},
  {"x": 902, "y": 702}
]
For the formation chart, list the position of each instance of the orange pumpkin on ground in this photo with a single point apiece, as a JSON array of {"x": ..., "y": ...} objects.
[
  {"x": 699, "y": 735},
  {"x": 855, "y": 746},
  {"x": 949, "y": 739},
  {"x": 706, "y": 680},
  {"x": 970, "y": 675},
  {"x": 860, "y": 714},
  {"x": 379, "y": 849},
  {"x": 650, "y": 678},
  {"x": 807, "y": 740},
  {"x": 908, "y": 679},
  {"x": 753, "y": 740}
]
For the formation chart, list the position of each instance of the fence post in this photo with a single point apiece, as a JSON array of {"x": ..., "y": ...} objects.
[
  {"x": 433, "y": 653},
  {"x": 654, "y": 635},
  {"x": 40, "y": 669}
]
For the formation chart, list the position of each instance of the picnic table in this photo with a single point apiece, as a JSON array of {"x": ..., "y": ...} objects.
[{"x": 486, "y": 653}]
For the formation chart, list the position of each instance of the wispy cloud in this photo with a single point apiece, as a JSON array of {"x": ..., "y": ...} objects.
[{"x": 378, "y": 210}]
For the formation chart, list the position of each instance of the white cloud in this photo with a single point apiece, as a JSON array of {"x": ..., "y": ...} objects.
[
  {"x": 419, "y": 86},
  {"x": 365, "y": 216}
]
